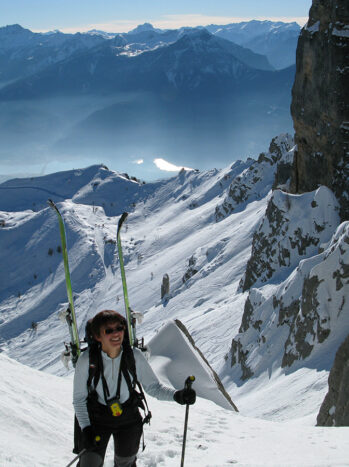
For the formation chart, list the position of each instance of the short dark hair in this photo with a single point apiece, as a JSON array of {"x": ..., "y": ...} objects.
[{"x": 105, "y": 317}]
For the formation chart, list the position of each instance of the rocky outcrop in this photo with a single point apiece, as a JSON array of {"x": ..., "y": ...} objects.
[
  {"x": 319, "y": 107},
  {"x": 271, "y": 170},
  {"x": 165, "y": 286},
  {"x": 285, "y": 324},
  {"x": 191, "y": 271},
  {"x": 334, "y": 410},
  {"x": 294, "y": 228}
]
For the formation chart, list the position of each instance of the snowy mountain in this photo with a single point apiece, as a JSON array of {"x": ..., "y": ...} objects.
[
  {"x": 276, "y": 40},
  {"x": 185, "y": 91},
  {"x": 271, "y": 345},
  {"x": 115, "y": 66},
  {"x": 23, "y": 52}
]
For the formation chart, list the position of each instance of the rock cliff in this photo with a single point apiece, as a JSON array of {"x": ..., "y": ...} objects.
[
  {"x": 334, "y": 410},
  {"x": 291, "y": 322},
  {"x": 294, "y": 227},
  {"x": 320, "y": 108},
  {"x": 271, "y": 170}
]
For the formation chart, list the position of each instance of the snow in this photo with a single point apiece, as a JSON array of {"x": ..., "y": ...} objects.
[
  {"x": 313, "y": 28},
  {"x": 39, "y": 430},
  {"x": 171, "y": 229},
  {"x": 342, "y": 32}
]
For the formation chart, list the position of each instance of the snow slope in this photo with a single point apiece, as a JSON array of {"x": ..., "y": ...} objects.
[
  {"x": 39, "y": 430},
  {"x": 173, "y": 229}
]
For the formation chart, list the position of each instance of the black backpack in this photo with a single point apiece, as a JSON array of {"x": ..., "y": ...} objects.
[{"x": 127, "y": 366}]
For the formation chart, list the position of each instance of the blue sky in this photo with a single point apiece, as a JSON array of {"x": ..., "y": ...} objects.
[{"x": 121, "y": 16}]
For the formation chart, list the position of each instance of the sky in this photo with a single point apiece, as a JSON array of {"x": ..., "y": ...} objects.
[{"x": 121, "y": 16}]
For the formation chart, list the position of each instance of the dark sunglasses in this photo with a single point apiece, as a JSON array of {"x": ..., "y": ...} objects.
[{"x": 112, "y": 330}]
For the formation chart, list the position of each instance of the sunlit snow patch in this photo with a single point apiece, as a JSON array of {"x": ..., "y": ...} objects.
[
  {"x": 174, "y": 357},
  {"x": 168, "y": 166}
]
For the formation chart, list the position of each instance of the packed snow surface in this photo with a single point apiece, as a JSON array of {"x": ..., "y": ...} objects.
[{"x": 37, "y": 429}]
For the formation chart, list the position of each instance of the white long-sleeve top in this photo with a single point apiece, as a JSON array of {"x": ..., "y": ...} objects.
[{"x": 145, "y": 375}]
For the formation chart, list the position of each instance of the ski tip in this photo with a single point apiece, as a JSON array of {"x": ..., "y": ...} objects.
[
  {"x": 51, "y": 204},
  {"x": 122, "y": 219}
]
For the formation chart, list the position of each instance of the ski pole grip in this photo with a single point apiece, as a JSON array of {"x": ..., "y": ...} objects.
[{"x": 189, "y": 381}]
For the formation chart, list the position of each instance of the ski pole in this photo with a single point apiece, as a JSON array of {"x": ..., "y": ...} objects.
[
  {"x": 76, "y": 458},
  {"x": 97, "y": 441},
  {"x": 188, "y": 383}
]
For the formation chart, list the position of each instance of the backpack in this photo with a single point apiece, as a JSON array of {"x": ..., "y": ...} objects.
[{"x": 127, "y": 365}]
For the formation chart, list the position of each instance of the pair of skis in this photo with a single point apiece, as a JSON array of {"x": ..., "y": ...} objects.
[{"x": 73, "y": 349}]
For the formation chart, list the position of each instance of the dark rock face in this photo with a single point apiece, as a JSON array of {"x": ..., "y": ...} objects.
[
  {"x": 334, "y": 410},
  {"x": 304, "y": 319},
  {"x": 191, "y": 271},
  {"x": 320, "y": 108},
  {"x": 284, "y": 237},
  {"x": 272, "y": 169},
  {"x": 165, "y": 286}
]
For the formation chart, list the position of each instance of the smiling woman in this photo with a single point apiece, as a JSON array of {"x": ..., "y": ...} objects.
[{"x": 108, "y": 393}]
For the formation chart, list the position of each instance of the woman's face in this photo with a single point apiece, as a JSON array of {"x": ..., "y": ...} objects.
[{"x": 111, "y": 336}]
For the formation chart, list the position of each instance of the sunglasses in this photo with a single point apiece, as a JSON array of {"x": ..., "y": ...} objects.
[{"x": 112, "y": 330}]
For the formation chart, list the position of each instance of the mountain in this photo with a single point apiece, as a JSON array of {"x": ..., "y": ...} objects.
[
  {"x": 195, "y": 59},
  {"x": 297, "y": 274},
  {"x": 319, "y": 103},
  {"x": 276, "y": 40},
  {"x": 252, "y": 311},
  {"x": 23, "y": 52},
  {"x": 199, "y": 94}
]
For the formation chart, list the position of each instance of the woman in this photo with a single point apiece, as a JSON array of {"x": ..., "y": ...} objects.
[{"x": 110, "y": 405}]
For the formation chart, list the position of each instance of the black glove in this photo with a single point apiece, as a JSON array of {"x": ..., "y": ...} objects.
[
  {"x": 89, "y": 437},
  {"x": 185, "y": 396}
]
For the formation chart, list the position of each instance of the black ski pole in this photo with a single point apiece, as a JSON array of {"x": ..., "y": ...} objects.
[
  {"x": 77, "y": 457},
  {"x": 188, "y": 383}
]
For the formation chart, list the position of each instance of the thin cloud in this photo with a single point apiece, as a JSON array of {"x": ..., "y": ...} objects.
[
  {"x": 177, "y": 21},
  {"x": 138, "y": 161},
  {"x": 168, "y": 166}
]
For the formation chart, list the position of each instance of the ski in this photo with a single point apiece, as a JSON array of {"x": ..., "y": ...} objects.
[
  {"x": 73, "y": 349},
  {"x": 128, "y": 313}
]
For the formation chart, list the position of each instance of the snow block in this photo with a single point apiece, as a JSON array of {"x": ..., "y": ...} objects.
[{"x": 174, "y": 356}]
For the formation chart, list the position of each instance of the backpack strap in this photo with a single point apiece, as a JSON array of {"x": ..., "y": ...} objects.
[
  {"x": 127, "y": 367},
  {"x": 131, "y": 367},
  {"x": 94, "y": 370}
]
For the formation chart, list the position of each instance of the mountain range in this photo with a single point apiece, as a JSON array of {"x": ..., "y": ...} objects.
[
  {"x": 186, "y": 94},
  {"x": 23, "y": 52},
  {"x": 251, "y": 270}
]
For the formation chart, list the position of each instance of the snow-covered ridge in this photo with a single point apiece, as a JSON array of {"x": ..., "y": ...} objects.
[
  {"x": 294, "y": 227},
  {"x": 258, "y": 177},
  {"x": 298, "y": 322},
  {"x": 27, "y": 53},
  {"x": 172, "y": 230},
  {"x": 91, "y": 186}
]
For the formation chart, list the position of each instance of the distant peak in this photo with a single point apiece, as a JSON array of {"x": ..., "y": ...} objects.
[
  {"x": 13, "y": 28},
  {"x": 142, "y": 28},
  {"x": 197, "y": 34}
]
